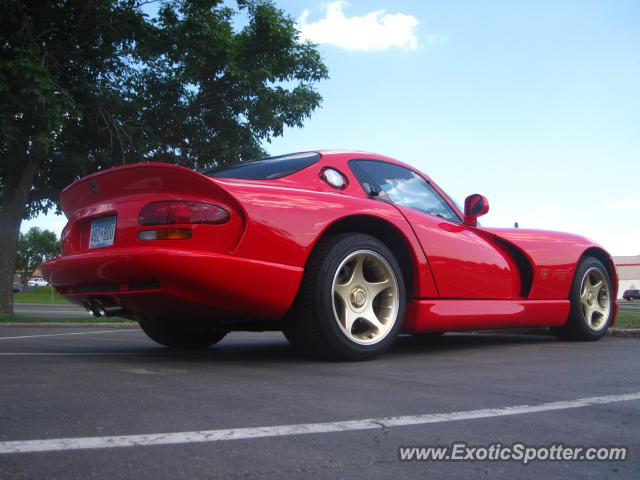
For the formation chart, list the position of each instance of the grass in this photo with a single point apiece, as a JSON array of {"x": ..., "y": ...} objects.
[
  {"x": 625, "y": 319},
  {"x": 628, "y": 320},
  {"x": 25, "y": 319},
  {"x": 40, "y": 295}
]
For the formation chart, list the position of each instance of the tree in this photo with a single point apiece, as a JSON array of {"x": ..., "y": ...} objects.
[
  {"x": 86, "y": 85},
  {"x": 35, "y": 247}
]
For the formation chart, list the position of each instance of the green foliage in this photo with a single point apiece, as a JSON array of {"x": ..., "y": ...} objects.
[
  {"x": 39, "y": 295},
  {"x": 630, "y": 319},
  {"x": 34, "y": 247},
  {"x": 88, "y": 85}
]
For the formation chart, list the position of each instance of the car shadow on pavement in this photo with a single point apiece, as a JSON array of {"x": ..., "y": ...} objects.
[
  {"x": 278, "y": 350},
  {"x": 411, "y": 344}
]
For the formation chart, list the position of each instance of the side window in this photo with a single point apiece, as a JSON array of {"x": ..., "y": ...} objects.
[{"x": 401, "y": 186}]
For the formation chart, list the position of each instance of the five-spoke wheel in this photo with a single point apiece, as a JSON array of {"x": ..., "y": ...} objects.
[
  {"x": 365, "y": 297},
  {"x": 351, "y": 302},
  {"x": 591, "y": 299},
  {"x": 594, "y": 299}
]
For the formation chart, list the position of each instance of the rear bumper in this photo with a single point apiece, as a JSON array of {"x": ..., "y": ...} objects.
[{"x": 175, "y": 283}]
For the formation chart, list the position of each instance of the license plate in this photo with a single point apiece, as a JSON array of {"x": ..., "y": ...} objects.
[{"x": 102, "y": 232}]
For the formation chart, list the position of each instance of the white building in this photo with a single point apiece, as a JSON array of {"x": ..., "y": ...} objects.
[{"x": 628, "y": 272}]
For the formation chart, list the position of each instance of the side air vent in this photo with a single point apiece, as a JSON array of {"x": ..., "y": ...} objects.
[{"x": 526, "y": 273}]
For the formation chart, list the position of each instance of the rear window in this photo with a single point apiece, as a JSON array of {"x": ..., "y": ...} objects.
[{"x": 266, "y": 168}]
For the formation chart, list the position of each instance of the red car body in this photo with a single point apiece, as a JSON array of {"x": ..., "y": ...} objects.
[{"x": 459, "y": 276}]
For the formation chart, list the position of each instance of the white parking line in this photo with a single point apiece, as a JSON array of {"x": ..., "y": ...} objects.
[
  {"x": 73, "y": 333},
  {"x": 57, "y": 444}
]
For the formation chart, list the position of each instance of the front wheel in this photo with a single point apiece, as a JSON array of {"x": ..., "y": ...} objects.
[
  {"x": 591, "y": 302},
  {"x": 351, "y": 302},
  {"x": 172, "y": 334}
]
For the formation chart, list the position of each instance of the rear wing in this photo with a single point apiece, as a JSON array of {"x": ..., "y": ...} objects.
[{"x": 137, "y": 179}]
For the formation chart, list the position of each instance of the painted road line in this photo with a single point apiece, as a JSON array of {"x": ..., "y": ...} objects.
[
  {"x": 72, "y": 333},
  {"x": 61, "y": 444}
]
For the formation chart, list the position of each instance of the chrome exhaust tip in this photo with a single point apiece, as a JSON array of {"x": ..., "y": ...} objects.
[
  {"x": 87, "y": 307},
  {"x": 97, "y": 310}
]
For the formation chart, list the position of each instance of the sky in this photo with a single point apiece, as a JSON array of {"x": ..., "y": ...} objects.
[{"x": 535, "y": 105}]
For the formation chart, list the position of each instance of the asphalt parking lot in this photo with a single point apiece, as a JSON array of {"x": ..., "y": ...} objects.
[{"x": 81, "y": 403}]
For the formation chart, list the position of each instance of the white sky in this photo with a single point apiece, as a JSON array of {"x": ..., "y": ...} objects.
[{"x": 534, "y": 104}]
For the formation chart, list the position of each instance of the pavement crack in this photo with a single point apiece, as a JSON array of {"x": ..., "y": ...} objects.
[{"x": 384, "y": 430}]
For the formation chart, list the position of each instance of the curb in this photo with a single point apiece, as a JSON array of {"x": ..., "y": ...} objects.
[
  {"x": 624, "y": 332},
  {"x": 612, "y": 332},
  {"x": 75, "y": 325}
]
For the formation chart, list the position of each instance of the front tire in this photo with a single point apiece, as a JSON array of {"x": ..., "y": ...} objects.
[
  {"x": 172, "y": 334},
  {"x": 591, "y": 302},
  {"x": 352, "y": 300}
]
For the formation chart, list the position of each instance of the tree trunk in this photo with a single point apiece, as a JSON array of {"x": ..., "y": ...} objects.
[{"x": 11, "y": 212}]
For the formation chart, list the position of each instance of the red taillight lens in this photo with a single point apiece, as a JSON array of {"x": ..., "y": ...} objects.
[
  {"x": 166, "y": 234},
  {"x": 177, "y": 212}
]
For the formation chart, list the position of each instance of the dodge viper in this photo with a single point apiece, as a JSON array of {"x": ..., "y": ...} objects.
[{"x": 340, "y": 250}]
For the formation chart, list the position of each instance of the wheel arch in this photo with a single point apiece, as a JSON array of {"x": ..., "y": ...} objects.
[
  {"x": 388, "y": 234},
  {"x": 607, "y": 261}
]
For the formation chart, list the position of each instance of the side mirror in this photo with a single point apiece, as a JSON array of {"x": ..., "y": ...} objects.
[{"x": 475, "y": 206}]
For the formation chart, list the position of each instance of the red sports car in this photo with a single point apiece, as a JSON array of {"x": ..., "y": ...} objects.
[{"x": 341, "y": 250}]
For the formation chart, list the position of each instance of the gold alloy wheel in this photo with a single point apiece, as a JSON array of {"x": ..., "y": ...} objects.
[
  {"x": 365, "y": 297},
  {"x": 595, "y": 299}
]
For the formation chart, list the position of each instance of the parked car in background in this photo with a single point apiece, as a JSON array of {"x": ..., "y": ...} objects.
[
  {"x": 631, "y": 295},
  {"x": 38, "y": 282}
]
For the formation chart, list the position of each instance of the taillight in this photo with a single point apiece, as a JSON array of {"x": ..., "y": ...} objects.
[
  {"x": 166, "y": 234},
  {"x": 181, "y": 212}
]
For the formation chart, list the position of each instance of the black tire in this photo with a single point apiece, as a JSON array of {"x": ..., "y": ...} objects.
[
  {"x": 583, "y": 322},
  {"x": 173, "y": 335},
  {"x": 316, "y": 324}
]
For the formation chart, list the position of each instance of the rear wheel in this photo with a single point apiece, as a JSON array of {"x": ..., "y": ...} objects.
[
  {"x": 174, "y": 335},
  {"x": 591, "y": 302},
  {"x": 351, "y": 302}
]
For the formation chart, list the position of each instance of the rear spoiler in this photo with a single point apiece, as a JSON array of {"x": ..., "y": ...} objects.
[{"x": 134, "y": 179}]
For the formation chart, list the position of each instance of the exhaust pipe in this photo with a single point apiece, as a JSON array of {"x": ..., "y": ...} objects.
[
  {"x": 98, "y": 310},
  {"x": 87, "y": 306}
]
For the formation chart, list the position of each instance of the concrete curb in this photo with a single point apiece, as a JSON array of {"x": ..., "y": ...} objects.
[
  {"x": 624, "y": 332},
  {"x": 74, "y": 325},
  {"x": 612, "y": 332}
]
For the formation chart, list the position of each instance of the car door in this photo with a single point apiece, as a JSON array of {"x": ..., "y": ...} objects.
[{"x": 464, "y": 263}]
